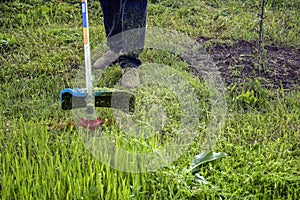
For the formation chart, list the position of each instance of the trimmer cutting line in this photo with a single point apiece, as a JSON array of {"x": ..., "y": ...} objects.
[{"x": 90, "y": 97}]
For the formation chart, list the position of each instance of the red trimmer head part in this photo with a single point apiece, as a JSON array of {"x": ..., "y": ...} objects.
[{"x": 91, "y": 124}]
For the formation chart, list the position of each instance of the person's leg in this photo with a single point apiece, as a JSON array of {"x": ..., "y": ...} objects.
[
  {"x": 133, "y": 27},
  {"x": 112, "y": 13}
]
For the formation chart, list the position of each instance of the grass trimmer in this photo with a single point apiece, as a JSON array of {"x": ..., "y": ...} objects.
[{"x": 90, "y": 97}]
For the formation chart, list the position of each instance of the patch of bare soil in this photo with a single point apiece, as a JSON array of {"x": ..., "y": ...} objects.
[{"x": 238, "y": 62}]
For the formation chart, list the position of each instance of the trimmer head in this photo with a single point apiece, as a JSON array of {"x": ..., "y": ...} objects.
[
  {"x": 104, "y": 97},
  {"x": 91, "y": 124}
]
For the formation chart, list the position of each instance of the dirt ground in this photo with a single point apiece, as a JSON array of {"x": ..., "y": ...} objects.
[{"x": 238, "y": 62}]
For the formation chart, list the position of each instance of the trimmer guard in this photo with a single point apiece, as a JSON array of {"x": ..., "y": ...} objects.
[{"x": 76, "y": 98}]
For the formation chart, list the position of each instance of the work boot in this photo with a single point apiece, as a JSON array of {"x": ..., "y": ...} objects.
[
  {"x": 130, "y": 78},
  {"x": 108, "y": 58}
]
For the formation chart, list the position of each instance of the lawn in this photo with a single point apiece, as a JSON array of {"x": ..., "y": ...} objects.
[{"x": 44, "y": 154}]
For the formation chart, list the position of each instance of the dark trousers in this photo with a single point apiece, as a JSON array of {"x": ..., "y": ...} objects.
[{"x": 125, "y": 23}]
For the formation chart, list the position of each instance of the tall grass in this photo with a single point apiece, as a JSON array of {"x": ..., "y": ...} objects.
[{"x": 42, "y": 153}]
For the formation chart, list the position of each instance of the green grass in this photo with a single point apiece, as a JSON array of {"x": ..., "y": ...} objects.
[{"x": 42, "y": 153}]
